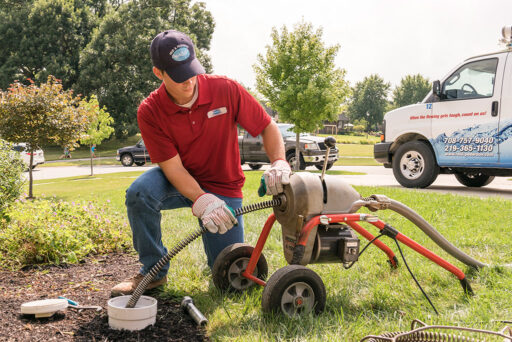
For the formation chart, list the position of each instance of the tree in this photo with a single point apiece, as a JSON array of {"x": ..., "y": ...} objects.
[
  {"x": 116, "y": 66},
  {"x": 41, "y": 38},
  {"x": 369, "y": 101},
  {"x": 100, "y": 128},
  {"x": 41, "y": 115},
  {"x": 11, "y": 177},
  {"x": 412, "y": 89},
  {"x": 299, "y": 79}
]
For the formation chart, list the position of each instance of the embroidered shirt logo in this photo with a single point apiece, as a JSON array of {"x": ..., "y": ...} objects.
[
  {"x": 180, "y": 53},
  {"x": 217, "y": 112}
]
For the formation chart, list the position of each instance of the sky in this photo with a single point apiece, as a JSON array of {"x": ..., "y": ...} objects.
[{"x": 391, "y": 38}]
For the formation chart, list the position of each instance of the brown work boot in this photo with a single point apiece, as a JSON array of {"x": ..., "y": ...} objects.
[{"x": 129, "y": 285}]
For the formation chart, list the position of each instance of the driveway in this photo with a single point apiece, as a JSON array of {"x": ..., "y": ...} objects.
[{"x": 374, "y": 176}]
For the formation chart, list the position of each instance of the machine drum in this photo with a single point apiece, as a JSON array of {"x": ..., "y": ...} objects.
[{"x": 335, "y": 243}]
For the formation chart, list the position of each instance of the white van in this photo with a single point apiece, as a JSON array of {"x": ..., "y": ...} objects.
[{"x": 462, "y": 127}]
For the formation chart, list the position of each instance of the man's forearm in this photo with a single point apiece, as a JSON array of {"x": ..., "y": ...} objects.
[
  {"x": 273, "y": 142},
  {"x": 181, "y": 179}
]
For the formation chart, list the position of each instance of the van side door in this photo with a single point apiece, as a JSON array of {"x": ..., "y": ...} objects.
[
  {"x": 465, "y": 119},
  {"x": 505, "y": 124}
]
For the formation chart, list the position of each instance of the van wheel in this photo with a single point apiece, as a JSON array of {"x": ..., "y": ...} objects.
[
  {"x": 473, "y": 180},
  {"x": 414, "y": 165},
  {"x": 290, "y": 158}
]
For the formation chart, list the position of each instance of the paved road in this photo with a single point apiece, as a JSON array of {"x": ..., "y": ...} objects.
[{"x": 374, "y": 176}]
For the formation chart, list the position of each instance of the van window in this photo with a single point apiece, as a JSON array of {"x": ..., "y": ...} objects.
[{"x": 471, "y": 81}]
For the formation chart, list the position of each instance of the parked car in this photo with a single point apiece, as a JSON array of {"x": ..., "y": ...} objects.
[
  {"x": 25, "y": 155},
  {"x": 137, "y": 154},
  {"x": 312, "y": 149}
]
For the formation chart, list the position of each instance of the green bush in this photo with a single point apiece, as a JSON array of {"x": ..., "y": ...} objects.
[
  {"x": 47, "y": 231},
  {"x": 11, "y": 176}
]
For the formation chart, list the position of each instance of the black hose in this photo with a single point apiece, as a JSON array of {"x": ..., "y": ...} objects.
[{"x": 148, "y": 278}]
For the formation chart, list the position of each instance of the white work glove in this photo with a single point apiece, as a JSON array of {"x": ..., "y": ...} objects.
[
  {"x": 215, "y": 214},
  {"x": 276, "y": 176}
]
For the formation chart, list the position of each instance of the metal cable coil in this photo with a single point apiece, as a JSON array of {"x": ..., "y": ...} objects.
[
  {"x": 184, "y": 243},
  {"x": 422, "y": 335}
]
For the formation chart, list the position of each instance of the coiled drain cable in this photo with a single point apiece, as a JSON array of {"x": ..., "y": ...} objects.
[
  {"x": 277, "y": 201},
  {"x": 422, "y": 335}
]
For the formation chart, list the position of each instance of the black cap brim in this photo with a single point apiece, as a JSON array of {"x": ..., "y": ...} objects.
[{"x": 181, "y": 73}]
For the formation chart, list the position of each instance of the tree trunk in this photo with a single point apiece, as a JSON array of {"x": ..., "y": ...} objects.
[
  {"x": 30, "y": 175},
  {"x": 90, "y": 150},
  {"x": 296, "y": 167}
]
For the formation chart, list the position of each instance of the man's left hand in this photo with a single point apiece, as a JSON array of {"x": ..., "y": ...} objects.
[{"x": 276, "y": 176}]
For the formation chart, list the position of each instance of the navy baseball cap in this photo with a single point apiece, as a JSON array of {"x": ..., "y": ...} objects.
[{"x": 173, "y": 52}]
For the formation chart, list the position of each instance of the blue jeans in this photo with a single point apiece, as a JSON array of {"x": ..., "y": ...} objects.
[{"x": 150, "y": 193}]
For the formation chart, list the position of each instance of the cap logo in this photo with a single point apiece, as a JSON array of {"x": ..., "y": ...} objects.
[{"x": 180, "y": 53}]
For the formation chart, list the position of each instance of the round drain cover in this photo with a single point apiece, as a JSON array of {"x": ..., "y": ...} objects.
[{"x": 43, "y": 308}]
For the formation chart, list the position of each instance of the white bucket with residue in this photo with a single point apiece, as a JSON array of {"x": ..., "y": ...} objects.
[{"x": 137, "y": 318}]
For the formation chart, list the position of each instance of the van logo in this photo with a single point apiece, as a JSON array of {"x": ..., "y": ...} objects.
[
  {"x": 429, "y": 105},
  {"x": 180, "y": 54}
]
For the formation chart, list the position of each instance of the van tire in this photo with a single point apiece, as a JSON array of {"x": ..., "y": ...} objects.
[
  {"x": 414, "y": 165},
  {"x": 473, "y": 180}
]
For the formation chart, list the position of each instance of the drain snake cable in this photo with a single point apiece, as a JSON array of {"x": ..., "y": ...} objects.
[
  {"x": 405, "y": 262},
  {"x": 422, "y": 335},
  {"x": 277, "y": 201}
]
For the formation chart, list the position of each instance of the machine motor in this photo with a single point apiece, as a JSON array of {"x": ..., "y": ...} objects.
[{"x": 335, "y": 243}]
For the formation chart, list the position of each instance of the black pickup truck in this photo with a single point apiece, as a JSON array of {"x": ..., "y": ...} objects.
[
  {"x": 137, "y": 154},
  {"x": 312, "y": 149},
  {"x": 252, "y": 152}
]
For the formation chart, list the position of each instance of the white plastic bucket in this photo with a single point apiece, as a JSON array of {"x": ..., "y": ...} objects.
[{"x": 137, "y": 318}]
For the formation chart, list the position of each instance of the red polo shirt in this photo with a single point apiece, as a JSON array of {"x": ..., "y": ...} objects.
[{"x": 205, "y": 136}]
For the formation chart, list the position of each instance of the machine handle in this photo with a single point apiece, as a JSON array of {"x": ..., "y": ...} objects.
[{"x": 330, "y": 142}]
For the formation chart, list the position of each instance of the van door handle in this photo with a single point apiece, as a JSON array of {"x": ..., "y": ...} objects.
[{"x": 494, "y": 108}]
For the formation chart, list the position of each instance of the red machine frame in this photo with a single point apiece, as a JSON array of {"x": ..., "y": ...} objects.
[{"x": 351, "y": 220}]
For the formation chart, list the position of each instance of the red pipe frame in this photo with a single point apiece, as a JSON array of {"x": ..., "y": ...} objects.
[{"x": 351, "y": 220}]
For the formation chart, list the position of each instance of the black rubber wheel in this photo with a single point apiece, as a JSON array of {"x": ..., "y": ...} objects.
[
  {"x": 414, "y": 165},
  {"x": 321, "y": 166},
  {"x": 474, "y": 180},
  {"x": 294, "y": 290},
  {"x": 231, "y": 263},
  {"x": 290, "y": 158},
  {"x": 140, "y": 163},
  {"x": 126, "y": 159},
  {"x": 255, "y": 166}
]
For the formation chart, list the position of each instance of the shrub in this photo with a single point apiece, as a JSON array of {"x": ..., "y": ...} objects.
[
  {"x": 47, "y": 231},
  {"x": 11, "y": 176}
]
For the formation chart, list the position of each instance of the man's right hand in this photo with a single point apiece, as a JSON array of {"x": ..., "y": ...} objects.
[{"x": 215, "y": 214}]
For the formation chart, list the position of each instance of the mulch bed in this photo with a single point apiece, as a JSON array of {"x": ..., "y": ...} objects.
[{"x": 88, "y": 283}]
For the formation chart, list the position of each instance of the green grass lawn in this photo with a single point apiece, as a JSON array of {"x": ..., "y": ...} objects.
[
  {"x": 353, "y": 139},
  {"x": 106, "y": 149},
  {"x": 95, "y": 162},
  {"x": 370, "y": 298}
]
